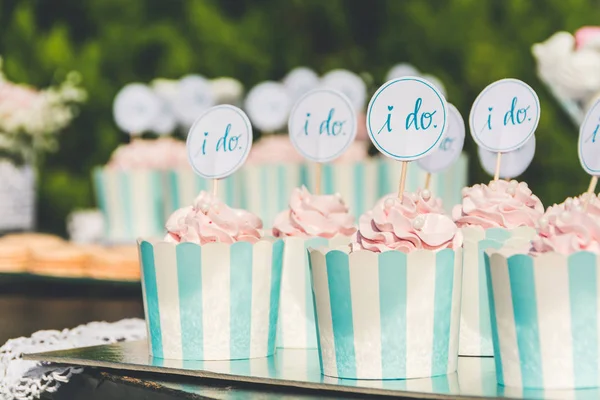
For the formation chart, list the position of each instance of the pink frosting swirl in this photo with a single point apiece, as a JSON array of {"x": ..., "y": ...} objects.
[
  {"x": 413, "y": 223},
  {"x": 585, "y": 35},
  {"x": 500, "y": 204},
  {"x": 568, "y": 228},
  {"x": 159, "y": 154},
  {"x": 274, "y": 149},
  {"x": 210, "y": 220},
  {"x": 314, "y": 215}
]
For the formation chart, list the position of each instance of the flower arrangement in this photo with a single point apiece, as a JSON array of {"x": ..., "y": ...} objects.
[{"x": 31, "y": 119}]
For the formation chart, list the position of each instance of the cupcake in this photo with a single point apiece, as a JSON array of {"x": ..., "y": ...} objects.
[
  {"x": 311, "y": 221},
  {"x": 501, "y": 213},
  {"x": 129, "y": 189},
  {"x": 388, "y": 307},
  {"x": 211, "y": 287},
  {"x": 544, "y": 303}
]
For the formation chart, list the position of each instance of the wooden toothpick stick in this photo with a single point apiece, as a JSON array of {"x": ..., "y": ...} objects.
[{"x": 402, "y": 180}]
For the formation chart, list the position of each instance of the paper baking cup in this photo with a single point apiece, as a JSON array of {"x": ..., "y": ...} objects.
[
  {"x": 545, "y": 313},
  {"x": 212, "y": 302},
  {"x": 475, "y": 326},
  {"x": 131, "y": 202},
  {"x": 387, "y": 315},
  {"x": 446, "y": 185},
  {"x": 265, "y": 189},
  {"x": 296, "y": 326},
  {"x": 183, "y": 186}
]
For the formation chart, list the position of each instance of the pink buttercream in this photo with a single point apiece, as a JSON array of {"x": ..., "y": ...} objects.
[
  {"x": 274, "y": 149},
  {"x": 211, "y": 220},
  {"x": 314, "y": 215},
  {"x": 356, "y": 152},
  {"x": 500, "y": 204},
  {"x": 407, "y": 225},
  {"x": 585, "y": 35},
  {"x": 569, "y": 227},
  {"x": 161, "y": 154}
]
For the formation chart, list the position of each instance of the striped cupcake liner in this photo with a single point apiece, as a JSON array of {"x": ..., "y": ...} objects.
[
  {"x": 296, "y": 326},
  {"x": 545, "y": 313},
  {"x": 387, "y": 315},
  {"x": 475, "y": 325},
  {"x": 211, "y": 302},
  {"x": 132, "y": 203},
  {"x": 183, "y": 186}
]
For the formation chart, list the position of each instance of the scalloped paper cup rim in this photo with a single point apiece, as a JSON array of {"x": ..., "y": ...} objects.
[{"x": 163, "y": 242}]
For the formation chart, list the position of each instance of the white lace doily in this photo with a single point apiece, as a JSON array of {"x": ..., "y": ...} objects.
[{"x": 24, "y": 380}]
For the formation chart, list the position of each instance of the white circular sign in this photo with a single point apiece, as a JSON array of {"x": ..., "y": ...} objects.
[
  {"x": 164, "y": 122},
  {"x": 512, "y": 164},
  {"x": 406, "y": 118},
  {"x": 401, "y": 70},
  {"x": 268, "y": 105},
  {"x": 450, "y": 146},
  {"x": 194, "y": 96},
  {"x": 504, "y": 115},
  {"x": 322, "y": 125},
  {"x": 219, "y": 142},
  {"x": 348, "y": 83},
  {"x": 135, "y": 108},
  {"x": 435, "y": 81},
  {"x": 589, "y": 141},
  {"x": 300, "y": 81}
]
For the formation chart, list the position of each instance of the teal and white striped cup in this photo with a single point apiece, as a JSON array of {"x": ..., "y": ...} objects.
[
  {"x": 215, "y": 301},
  {"x": 132, "y": 203},
  {"x": 475, "y": 326},
  {"x": 387, "y": 315},
  {"x": 296, "y": 324},
  {"x": 545, "y": 314}
]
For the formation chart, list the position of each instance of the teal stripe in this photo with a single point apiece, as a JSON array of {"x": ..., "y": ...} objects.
[
  {"x": 328, "y": 180},
  {"x": 100, "y": 186},
  {"x": 311, "y": 340},
  {"x": 264, "y": 195},
  {"x": 276, "y": 265},
  {"x": 340, "y": 297},
  {"x": 151, "y": 289},
  {"x": 392, "y": 313},
  {"x": 383, "y": 179},
  {"x": 304, "y": 180},
  {"x": 125, "y": 195},
  {"x": 440, "y": 384},
  {"x": 312, "y": 293},
  {"x": 442, "y": 311},
  {"x": 174, "y": 190},
  {"x": 359, "y": 189},
  {"x": 494, "y": 322},
  {"x": 583, "y": 295},
  {"x": 522, "y": 286},
  {"x": 282, "y": 195},
  {"x": 201, "y": 184},
  {"x": 240, "y": 261},
  {"x": 189, "y": 281},
  {"x": 485, "y": 327},
  {"x": 158, "y": 205}
]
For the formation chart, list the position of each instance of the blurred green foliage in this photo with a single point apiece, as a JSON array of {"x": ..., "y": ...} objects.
[{"x": 466, "y": 43}]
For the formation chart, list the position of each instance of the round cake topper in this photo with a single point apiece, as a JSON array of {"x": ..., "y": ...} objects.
[
  {"x": 401, "y": 70},
  {"x": 268, "y": 105},
  {"x": 406, "y": 118},
  {"x": 135, "y": 108},
  {"x": 504, "y": 115},
  {"x": 589, "y": 141},
  {"x": 450, "y": 146},
  {"x": 164, "y": 121},
  {"x": 513, "y": 163},
  {"x": 349, "y": 84},
  {"x": 194, "y": 96},
  {"x": 219, "y": 141},
  {"x": 300, "y": 81},
  {"x": 322, "y": 125}
]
